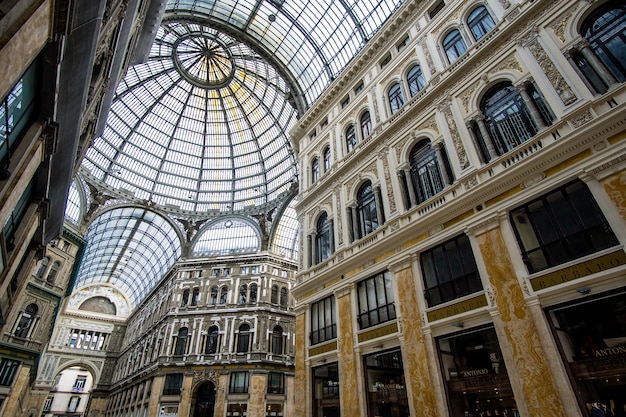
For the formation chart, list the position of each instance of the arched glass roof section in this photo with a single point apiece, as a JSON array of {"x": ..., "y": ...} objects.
[
  {"x": 228, "y": 236},
  {"x": 74, "y": 206},
  {"x": 287, "y": 233},
  {"x": 130, "y": 248},
  {"x": 201, "y": 127},
  {"x": 314, "y": 40}
]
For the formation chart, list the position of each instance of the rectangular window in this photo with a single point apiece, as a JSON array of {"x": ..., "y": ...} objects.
[
  {"x": 449, "y": 271},
  {"x": 359, "y": 87},
  {"x": 72, "y": 405},
  {"x": 47, "y": 405},
  {"x": 326, "y": 390},
  {"x": 274, "y": 410},
  {"x": 276, "y": 383},
  {"x": 79, "y": 383},
  {"x": 237, "y": 410},
  {"x": 385, "y": 61},
  {"x": 403, "y": 43},
  {"x": 475, "y": 374},
  {"x": 238, "y": 382},
  {"x": 323, "y": 320},
  {"x": 436, "y": 9},
  {"x": 16, "y": 109},
  {"x": 561, "y": 226},
  {"x": 376, "y": 300},
  {"x": 173, "y": 384},
  {"x": 8, "y": 369},
  {"x": 17, "y": 214},
  {"x": 345, "y": 102},
  {"x": 385, "y": 384}
]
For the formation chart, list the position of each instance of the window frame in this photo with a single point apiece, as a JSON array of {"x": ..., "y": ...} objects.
[
  {"x": 323, "y": 317},
  {"x": 375, "y": 300}
]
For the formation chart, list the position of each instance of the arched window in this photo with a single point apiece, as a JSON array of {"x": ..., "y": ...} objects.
[
  {"x": 243, "y": 294},
  {"x": 277, "y": 340},
  {"x": 480, "y": 22},
  {"x": 243, "y": 338},
  {"x": 415, "y": 80},
  {"x": 43, "y": 265},
  {"x": 181, "y": 341},
  {"x": 213, "y": 296},
  {"x": 195, "y": 296},
  {"x": 426, "y": 174},
  {"x": 350, "y": 138},
  {"x": 185, "y": 299},
  {"x": 284, "y": 302},
  {"x": 327, "y": 159},
  {"x": 224, "y": 295},
  {"x": 25, "y": 321},
  {"x": 395, "y": 98},
  {"x": 253, "y": 293},
  {"x": 366, "y": 210},
  {"x": 507, "y": 118},
  {"x": 315, "y": 169},
  {"x": 605, "y": 29},
  {"x": 366, "y": 125},
  {"x": 212, "y": 345},
  {"x": 454, "y": 45},
  {"x": 52, "y": 274},
  {"x": 274, "y": 296},
  {"x": 322, "y": 239}
]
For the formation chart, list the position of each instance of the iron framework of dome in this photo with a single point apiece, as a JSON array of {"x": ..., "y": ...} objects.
[{"x": 201, "y": 127}]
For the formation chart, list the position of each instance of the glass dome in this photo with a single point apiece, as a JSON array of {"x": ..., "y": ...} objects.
[{"x": 201, "y": 127}]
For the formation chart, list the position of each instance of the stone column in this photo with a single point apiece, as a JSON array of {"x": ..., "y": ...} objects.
[
  {"x": 348, "y": 360},
  {"x": 301, "y": 391},
  {"x": 533, "y": 384},
  {"x": 530, "y": 105},
  {"x": 257, "y": 390},
  {"x": 379, "y": 206},
  {"x": 415, "y": 355},
  {"x": 442, "y": 166},
  {"x": 595, "y": 63},
  {"x": 482, "y": 127},
  {"x": 410, "y": 185},
  {"x": 355, "y": 221},
  {"x": 331, "y": 234}
]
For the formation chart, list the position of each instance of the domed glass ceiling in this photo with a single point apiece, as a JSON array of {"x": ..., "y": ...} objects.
[{"x": 200, "y": 127}]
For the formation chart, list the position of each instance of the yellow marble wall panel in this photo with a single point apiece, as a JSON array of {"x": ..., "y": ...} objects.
[
  {"x": 185, "y": 396},
  {"x": 615, "y": 186},
  {"x": 503, "y": 196},
  {"x": 567, "y": 163},
  {"x": 332, "y": 282},
  {"x": 415, "y": 240},
  {"x": 155, "y": 392},
  {"x": 257, "y": 390},
  {"x": 300, "y": 391},
  {"x": 617, "y": 138},
  {"x": 347, "y": 361},
  {"x": 537, "y": 383},
  {"x": 20, "y": 384},
  {"x": 416, "y": 364},
  {"x": 459, "y": 218},
  {"x": 220, "y": 395}
]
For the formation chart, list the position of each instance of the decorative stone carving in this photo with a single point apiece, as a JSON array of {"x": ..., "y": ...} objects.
[
  {"x": 456, "y": 138},
  {"x": 510, "y": 64},
  {"x": 391, "y": 200},
  {"x": 581, "y": 119},
  {"x": 465, "y": 97},
  {"x": 534, "y": 180},
  {"x": 559, "y": 26},
  {"x": 554, "y": 76}
]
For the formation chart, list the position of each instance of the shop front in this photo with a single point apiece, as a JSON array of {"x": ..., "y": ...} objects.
[
  {"x": 592, "y": 339},
  {"x": 477, "y": 383},
  {"x": 386, "y": 390}
]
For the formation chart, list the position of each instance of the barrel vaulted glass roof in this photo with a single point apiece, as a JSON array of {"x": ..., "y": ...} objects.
[{"x": 130, "y": 248}]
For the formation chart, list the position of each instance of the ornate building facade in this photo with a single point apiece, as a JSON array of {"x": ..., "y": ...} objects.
[{"x": 462, "y": 211}]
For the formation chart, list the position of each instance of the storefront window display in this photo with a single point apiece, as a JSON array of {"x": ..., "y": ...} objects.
[
  {"x": 326, "y": 391},
  {"x": 592, "y": 338},
  {"x": 477, "y": 382},
  {"x": 386, "y": 390}
]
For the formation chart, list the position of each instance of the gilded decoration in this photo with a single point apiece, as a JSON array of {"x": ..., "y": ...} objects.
[
  {"x": 510, "y": 64},
  {"x": 456, "y": 138},
  {"x": 416, "y": 366},
  {"x": 339, "y": 215},
  {"x": 465, "y": 98},
  {"x": 559, "y": 26},
  {"x": 552, "y": 73},
  {"x": 615, "y": 187},
  {"x": 530, "y": 361},
  {"x": 391, "y": 200}
]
